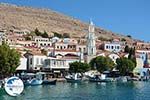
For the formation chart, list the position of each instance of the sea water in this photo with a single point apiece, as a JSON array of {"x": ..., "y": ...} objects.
[{"x": 84, "y": 91}]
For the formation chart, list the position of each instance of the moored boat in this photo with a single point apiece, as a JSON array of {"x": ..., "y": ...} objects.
[
  {"x": 49, "y": 82},
  {"x": 31, "y": 79},
  {"x": 99, "y": 78},
  {"x": 74, "y": 78}
]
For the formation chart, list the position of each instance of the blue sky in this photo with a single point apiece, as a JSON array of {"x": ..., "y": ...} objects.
[{"x": 128, "y": 17}]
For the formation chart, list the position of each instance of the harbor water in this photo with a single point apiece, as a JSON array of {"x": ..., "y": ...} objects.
[{"x": 84, "y": 91}]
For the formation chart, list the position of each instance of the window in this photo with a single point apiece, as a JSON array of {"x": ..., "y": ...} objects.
[
  {"x": 41, "y": 60},
  {"x": 79, "y": 49},
  {"x": 31, "y": 61},
  {"x": 107, "y": 47},
  {"x": 37, "y": 60},
  {"x": 84, "y": 50},
  {"x": 142, "y": 58},
  {"x": 118, "y": 47},
  {"x": 113, "y": 57},
  {"x": 112, "y": 47},
  {"x": 54, "y": 62}
]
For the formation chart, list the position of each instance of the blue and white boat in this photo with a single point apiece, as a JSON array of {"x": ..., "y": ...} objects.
[
  {"x": 35, "y": 81},
  {"x": 31, "y": 79}
]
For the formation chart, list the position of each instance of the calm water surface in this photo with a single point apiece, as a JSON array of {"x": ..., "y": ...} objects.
[{"x": 84, "y": 91}]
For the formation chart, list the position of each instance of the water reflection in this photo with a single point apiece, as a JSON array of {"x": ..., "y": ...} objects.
[{"x": 84, "y": 91}]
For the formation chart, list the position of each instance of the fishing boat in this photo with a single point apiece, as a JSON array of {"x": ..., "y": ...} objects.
[
  {"x": 35, "y": 81},
  {"x": 31, "y": 79},
  {"x": 99, "y": 78},
  {"x": 75, "y": 78}
]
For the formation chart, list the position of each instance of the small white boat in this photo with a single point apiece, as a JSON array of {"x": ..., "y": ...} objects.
[
  {"x": 75, "y": 78},
  {"x": 122, "y": 79},
  {"x": 99, "y": 78}
]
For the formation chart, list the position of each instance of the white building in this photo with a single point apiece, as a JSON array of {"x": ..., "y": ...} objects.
[
  {"x": 42, "y": 42},
  {"x": 112, "y": 47},
  {"x": 114, "y": 57},
  {"x": 35, "y": 60},
  {"x": 23, "y": 64},
  {"x": 56, "y": 64}
]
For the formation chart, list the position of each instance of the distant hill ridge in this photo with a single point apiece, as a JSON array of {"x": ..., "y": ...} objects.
[{"x": 17, "y": 17}]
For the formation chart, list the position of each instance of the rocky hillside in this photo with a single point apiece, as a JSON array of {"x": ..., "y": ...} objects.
[{"x": 17, "y": 17}]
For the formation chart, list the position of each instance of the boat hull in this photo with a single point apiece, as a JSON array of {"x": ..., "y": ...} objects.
[
  {"x": 49, "y": 82},
  {"x": 73, "y": 80},
  {"x": 99, "y": 80},
  {"x": 33, "y": 82}
]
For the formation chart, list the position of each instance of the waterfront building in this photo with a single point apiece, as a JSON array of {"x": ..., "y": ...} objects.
[
  {"x": 55, "y": 64},
  {"x": 59, "y": 62},
  {"x": 35, "y": 60},
  {"x": 23, "y": 64},
  {"x": 142, "y": 59}
]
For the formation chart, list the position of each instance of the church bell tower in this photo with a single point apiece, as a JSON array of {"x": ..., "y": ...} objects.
[{"x": 91, "y": 47}]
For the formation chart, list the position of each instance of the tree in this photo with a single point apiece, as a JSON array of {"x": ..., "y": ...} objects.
[
  {"x": 44, "y": 35},
  {"x": 78, "y": 67},
  {"x": 9, "y": 60},
  {"x": 37, "y": 32},
  {"x": 126, "y": 49},
  {"x": 125, "y": 65},
  {"x": 123, "y": 39},
  {"x": 129, "y": 36},
  {"x": 66, "y": 35},
  {"x": 57, "y": 35},
  {"x": 102, "y": 63},
  {"x": 131, "y": 52},
  {"x": 132, "y": 55},
  {"x": 27, "y": 38}
]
